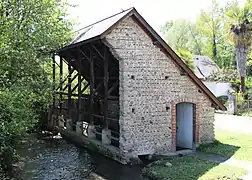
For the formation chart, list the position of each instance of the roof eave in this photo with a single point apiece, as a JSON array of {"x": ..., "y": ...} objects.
[{"x": 70, "y": 46}]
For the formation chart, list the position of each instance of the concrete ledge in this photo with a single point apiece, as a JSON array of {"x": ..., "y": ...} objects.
[{"x": 97, "y": 146}]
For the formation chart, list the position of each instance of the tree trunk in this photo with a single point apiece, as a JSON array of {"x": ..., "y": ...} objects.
[
  {"x": 243, "y": 88},
  {"x": 241, "y": 57}
]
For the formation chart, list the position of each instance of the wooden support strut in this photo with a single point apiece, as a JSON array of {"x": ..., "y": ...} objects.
[
  {"x": 113, "y": 87},
  {"x": 105, "y": 87},
  {"x": 79, "y": 93},
  {"x": 61, "y": 83},
  {"x": 76, "y": 86},
  {"x": 98, "y": 52},
  {"x": 72, "y": 70},
  {"x": 83, "y": 54},
  {"x": 69, "y": 89},
  {"x": 71, "y": 80},
  {"x": 54, "y": 85},
  {"x": 85, "y": 87},
  {"x": 98, "y": 87},
  {"x": 91, "y": 87}
]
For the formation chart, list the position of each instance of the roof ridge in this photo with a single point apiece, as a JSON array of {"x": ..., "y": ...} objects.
[{"x": 103, "y": 19}]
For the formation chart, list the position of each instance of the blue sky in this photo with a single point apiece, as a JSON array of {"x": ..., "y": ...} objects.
[{"x": 156, "y": 12}]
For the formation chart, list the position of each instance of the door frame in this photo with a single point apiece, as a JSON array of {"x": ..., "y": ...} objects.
[
  {"x": 185, "y": 128},
  {"x": 196, "y": 109}
]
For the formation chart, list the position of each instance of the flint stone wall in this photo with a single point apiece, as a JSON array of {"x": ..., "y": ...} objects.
[{"x": 149, "y": 83}]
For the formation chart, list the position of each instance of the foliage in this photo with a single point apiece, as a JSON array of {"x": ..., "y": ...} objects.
[
  {"x": 240, "y": 22},
  {"x": 223, "y": 99},
  {"x": 187, "y": 57},
  {"x": 249, "y": 67},
  {"x": 211, "y": 36},
  {"x": 178, "y": 34},
  {"x": 30, "y": 30},
  {"x": 224, "y": 75}
]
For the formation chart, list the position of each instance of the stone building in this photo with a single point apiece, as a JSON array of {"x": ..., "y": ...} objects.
[{"x": 161, "y": 105}]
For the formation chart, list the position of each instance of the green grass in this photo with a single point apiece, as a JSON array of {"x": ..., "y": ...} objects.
[
  {"x": 228, "y": 144},
  {"x": 184, "y": 168},
  {"x": 246, "y": 114}
]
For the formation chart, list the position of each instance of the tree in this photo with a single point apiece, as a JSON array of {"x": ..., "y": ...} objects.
[
  {"x": 180, "y": 34},
  {"x": 30, "y": 30},
  {"x": 187, "y": 57},
  {"x": 240, "y": 20},
  {"x": 208, "y": 26}
]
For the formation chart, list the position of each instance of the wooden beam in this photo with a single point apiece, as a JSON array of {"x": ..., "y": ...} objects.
[
  {"x": 112, "y": 78},
  {"x": 83, "y": 54},
  {"x": 99, "y": 86},
  {"x": 98, "y": 52},
  {"x": 65, "y": 80},
  {"x": 106, "y": 76},
  {"x": 85, "y": 87},
  {"x": 69, "y": 89},
  {"x": 101, "y": 117},
  {"x": 61, "y": 82},
  {"x": 75, "y": 95},
  {"x": 79, "y": 94},
  {"x": 54, "y": 77},
  {"x": 91, "y": 87},
  {"x": 113, "y": 87},
  {"x": 72, "y": 79}
]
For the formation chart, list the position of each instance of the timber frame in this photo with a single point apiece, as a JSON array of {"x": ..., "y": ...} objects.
[{"x": 90, "y": 67}]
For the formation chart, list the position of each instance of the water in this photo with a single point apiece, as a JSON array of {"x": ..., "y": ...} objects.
[{"x": 55, "y": 159}]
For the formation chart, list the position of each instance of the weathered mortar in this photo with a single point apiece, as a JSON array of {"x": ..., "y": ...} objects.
[{"x": 149, "y": 82}]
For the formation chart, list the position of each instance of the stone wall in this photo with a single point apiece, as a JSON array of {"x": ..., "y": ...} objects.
[{"x": 150, "y": 83}]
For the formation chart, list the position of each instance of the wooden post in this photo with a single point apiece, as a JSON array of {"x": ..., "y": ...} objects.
[
  {"x": 52, "y": 124},
  {"x": 61, "y": 83},
  {"x": 79, "y": 93},
  {"x": 54, "y": 85},
  {"x": 91, "y": 87},
  {"x": 105, "y": 87},
  {"x": 69, "y": 88}
]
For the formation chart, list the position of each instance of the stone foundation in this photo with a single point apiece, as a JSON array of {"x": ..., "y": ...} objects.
[{"x": 96, "y": 146}]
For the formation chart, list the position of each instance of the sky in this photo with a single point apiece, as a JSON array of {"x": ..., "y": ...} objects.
[{"x": 155, "y": 12}]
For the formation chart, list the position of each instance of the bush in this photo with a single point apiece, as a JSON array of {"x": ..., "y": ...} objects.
[
  {"x": 223, "y": 99},
  {"x": 18, "y": 113}
]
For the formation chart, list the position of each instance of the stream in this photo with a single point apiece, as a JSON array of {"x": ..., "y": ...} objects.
[{"x": 55, "y": 159}]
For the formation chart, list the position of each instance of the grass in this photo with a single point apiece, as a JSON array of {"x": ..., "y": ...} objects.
[
  {"x": 249, "y": 113},
  {"x": 228, "y": 144},
  {"x": 184, "y": 168}
]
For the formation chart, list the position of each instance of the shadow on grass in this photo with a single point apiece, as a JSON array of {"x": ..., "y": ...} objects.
[
  {"x": 198, "y": 165},
  {"x": 219, "y": 149}
]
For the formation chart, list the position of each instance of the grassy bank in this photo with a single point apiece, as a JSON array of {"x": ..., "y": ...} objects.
[
  {"x": 228, "y": 144},
  {"x": 184, "y": 168}
]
